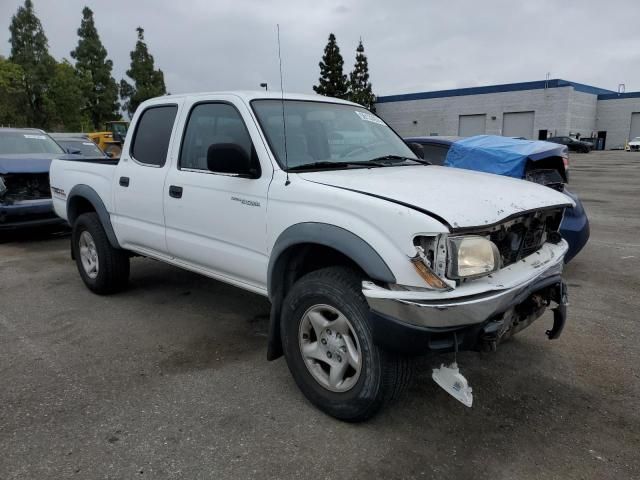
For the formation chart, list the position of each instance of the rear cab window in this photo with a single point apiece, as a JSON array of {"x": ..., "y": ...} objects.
[{"x": 151, "y": 137}]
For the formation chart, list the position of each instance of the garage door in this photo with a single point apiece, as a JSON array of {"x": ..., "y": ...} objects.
[
  {"x": 635, "y": 126},
  {"x": 472, "y": 125},
  {"x": 518, "y": 124}
]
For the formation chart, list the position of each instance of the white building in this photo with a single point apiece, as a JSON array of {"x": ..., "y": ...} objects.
[{"x": 535, "y": 110}]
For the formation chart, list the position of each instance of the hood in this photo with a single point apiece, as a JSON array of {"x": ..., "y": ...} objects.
[
  {"x": 27, "y": 163},
  {"x": 458, "y": 198}
]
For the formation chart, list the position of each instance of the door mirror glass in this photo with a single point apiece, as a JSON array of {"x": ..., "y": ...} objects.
[{"x": 229, "y": 158}]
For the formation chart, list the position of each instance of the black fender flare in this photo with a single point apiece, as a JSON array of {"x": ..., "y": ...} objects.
[
  {"x": 337, "y": 238},
  {"x": 89, "y": 194}
]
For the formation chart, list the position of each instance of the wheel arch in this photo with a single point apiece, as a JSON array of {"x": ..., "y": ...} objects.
[
  {"x": 84, "y": 199},
  {"x": 305, "y": 247}
]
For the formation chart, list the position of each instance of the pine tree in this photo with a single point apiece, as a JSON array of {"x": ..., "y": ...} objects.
[
  {"x": 66, "y": 99},
  {"x": 12, "y": 95},
  {"x": 360, "y": 90},
  {"x": 30, "y": 50},
  {"x": 332, "y": 82},
  {"x": 148, "y": 82},
  {"x": 94, "y": 69}
]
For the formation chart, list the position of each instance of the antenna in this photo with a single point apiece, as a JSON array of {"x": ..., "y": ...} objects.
[{"x": 284, "y": 123}]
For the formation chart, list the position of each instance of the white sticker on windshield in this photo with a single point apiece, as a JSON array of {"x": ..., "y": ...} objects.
[
  {"x": 88, "y": 143},
  {"x": 368, "y": 117},
  {"x": 37, "y": 137}
]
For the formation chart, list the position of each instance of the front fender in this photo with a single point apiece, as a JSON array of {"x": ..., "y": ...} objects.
[{"x": 331, "y": 236}]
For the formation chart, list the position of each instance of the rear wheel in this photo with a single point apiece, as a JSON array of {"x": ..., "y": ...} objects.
[
  {"x": 329, "y": 349},
  {"x": 103, "y": 269}
]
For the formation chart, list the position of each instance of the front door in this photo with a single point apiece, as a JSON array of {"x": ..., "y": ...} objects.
[{"x": 217, "y": 221}]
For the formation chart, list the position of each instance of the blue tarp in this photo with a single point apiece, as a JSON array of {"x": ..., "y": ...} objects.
[{"x": 499, "y": 155}]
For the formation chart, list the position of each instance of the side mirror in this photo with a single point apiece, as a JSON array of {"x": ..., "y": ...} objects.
[
  {"x": 230, "y": 158},
  {"x": 417, "y": 149}
]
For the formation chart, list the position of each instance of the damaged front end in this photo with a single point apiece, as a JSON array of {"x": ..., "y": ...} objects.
[
  {"x": 482, "y": 286},
  {"x": 25, "y": 200}
]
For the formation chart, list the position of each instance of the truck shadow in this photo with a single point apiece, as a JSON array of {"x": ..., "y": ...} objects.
[{"x": 34, "y": 235}]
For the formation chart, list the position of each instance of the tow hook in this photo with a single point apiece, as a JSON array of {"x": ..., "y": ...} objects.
[{"x": 560, "y": 312}]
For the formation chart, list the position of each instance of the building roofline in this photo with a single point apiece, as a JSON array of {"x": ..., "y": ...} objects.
[
  {"x": 506, "y": 87},
  {"x": 618, "y": 96}
]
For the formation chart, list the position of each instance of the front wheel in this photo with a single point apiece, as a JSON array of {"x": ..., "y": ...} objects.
[
  {"x": 329, "y": 349},
  {"x": 103, "y": 269}
]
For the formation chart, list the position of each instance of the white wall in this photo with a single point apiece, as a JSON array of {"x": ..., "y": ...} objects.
[
  {"x": 614, "y": 116},
  {"x": 582, "y": 113},
  {"x": 441, "y": 115}
]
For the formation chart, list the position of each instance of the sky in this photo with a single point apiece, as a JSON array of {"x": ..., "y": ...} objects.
[{"x": 412, "y": 46}]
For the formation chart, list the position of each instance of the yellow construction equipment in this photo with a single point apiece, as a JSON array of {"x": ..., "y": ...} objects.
[{"x": 111, "y": 139}]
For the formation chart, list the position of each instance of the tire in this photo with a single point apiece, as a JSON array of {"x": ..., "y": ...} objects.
[
  {"x": 90, "y": 242},
  {"x": 334, "y": 294}
]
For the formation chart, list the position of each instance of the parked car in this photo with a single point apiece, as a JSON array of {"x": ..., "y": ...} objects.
[
  {"x": 541, "y": 162},
  {"x": 79, "y": 145},
  {"x": 633, "y": 145},
  {"x": 25, "y": 197},
  {"x": 572, "y": 144},
  {"x": 367, "y": 253}
]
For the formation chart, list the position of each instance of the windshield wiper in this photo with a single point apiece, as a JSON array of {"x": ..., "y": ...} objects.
[
  {"x": 398, "y": 158},
  {"x": 336, "y": 165}
]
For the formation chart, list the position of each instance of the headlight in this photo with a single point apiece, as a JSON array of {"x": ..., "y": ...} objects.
[{"x": 472, "y": 256}]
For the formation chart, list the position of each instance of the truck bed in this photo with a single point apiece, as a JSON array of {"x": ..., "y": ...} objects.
[{"x": 69, "y": 172}]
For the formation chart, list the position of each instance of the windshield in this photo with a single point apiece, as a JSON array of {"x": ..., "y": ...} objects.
[
  {"x": 637, "y": 139},
  {"x": 26, "y": 142},
  {"x": 86, "y": 147},
  {"x": 326, "y": 132}
]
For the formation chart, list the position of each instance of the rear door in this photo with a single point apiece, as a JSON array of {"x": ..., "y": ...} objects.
[
  {"x": 217, "y": 221},
  {"x": 140, "y": 177}
]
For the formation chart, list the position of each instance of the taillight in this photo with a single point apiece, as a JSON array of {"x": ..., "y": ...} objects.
[{"x": 565, "y": 161}]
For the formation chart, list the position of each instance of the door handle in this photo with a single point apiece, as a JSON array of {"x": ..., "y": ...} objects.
[
  {"x": 175, "y": 191},
  {"x": 124, "y": 181}
]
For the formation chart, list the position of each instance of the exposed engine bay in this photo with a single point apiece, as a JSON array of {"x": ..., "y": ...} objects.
[{"x": 24, "y": 186}]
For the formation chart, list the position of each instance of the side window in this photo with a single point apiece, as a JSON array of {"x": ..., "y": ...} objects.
[
  {"x": 210, "y": 124},
  {"x": 153, "y": 132},
  {"x": 436, "y": 154}
]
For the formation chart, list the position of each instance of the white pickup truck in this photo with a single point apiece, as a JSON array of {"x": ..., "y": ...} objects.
[{"x": 367, "y": 253}]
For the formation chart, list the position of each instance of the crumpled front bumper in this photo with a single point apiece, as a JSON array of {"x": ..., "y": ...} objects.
[{"x": 473, "y": 303}]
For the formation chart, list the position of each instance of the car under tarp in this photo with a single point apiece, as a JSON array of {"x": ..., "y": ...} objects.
[{"x": 500, "y": 155}]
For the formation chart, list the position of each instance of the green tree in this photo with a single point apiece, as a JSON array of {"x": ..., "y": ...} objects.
[
  {"x": 30, "y": 50},
  {"x": 66, "y": 99},
  {"x": 94, "y": 69},
  {"x": 360, "y": 90},
  {"x": 12, "y": 94},
  {"x": 332, "y": 82},
  {"x": 147, "y": 82}
]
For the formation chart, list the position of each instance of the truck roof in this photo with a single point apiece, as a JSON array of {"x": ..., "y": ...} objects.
[{"x": 249, "y": 95}]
